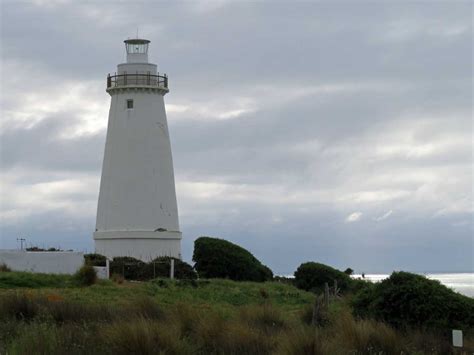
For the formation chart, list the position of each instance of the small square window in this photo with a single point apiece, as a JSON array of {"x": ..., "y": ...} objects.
[{"x": 129, "y": 104}]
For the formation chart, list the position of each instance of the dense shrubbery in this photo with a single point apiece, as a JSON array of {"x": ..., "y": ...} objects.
[
  {"x": 182, "y": 270},
  {"x": 312, "y": 276},
  {"x": 86, "y": 276},
  {"x": 406, "y": 299},
  {"x": 95, "y": 259},
  {"x": 134, "y": 269},
  {"x": 130, "y": 268},
  {"x": 218, "y": 258}
]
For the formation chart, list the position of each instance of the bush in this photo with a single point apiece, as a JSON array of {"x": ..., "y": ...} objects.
[
  {"x": 86, "y": 276},
  {"x": 406, "y": 299},
  {"x": 95, "y": 259},
  {"x": 312, "y": 276},
  {"x": 182, "y": 270},
  {"x": 348, "y": 271},
  {"x": 134, "y": 269},
  {"x": 4, "y": 268},
  {"x": 218, "y": 258},
  {"x": 130, "y": 268}
]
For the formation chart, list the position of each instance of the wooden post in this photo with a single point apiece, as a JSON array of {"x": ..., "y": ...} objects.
[
  {"x": 335, "y": 288},
  {"x": 154, "y": 269},
  {"x": 316, "y": 311}
]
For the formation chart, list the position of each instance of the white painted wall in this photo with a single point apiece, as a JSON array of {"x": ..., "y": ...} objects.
[
  {"x": 102, "y": 272},
  {"x": 140, "y": 68},
  {"x": 143, "y": 249},
  {"x": 137, "y": 213},
  {"x": 56, "y": 262}
]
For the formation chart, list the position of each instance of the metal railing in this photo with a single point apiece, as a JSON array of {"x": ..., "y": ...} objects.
[{"x": 137, "y": 79}]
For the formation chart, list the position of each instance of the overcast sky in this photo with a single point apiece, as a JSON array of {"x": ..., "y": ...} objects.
[{"x": 338, "y": 132}]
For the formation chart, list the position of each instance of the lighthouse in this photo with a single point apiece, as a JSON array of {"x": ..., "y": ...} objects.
[{"x": 137, "y": 213}]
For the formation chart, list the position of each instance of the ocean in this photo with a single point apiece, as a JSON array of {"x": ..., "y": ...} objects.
[{"x": 460, "y": 282}]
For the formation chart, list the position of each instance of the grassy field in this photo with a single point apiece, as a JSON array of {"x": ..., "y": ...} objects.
[{"x": 47, "y": 314}]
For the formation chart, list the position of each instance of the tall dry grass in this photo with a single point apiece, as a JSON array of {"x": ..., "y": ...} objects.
[
  {"x": 48, "y": 324},
  {"x": 144, "y": 336}
]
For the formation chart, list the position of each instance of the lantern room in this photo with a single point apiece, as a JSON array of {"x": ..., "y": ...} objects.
[{"x": 137, "y": 50}]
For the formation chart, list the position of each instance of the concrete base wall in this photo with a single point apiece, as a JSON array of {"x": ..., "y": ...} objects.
[
  {"x": 143, "y": 249},
  {"x": 56, "y": 262}
]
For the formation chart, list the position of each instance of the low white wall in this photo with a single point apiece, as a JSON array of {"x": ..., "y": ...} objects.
[
  {"x": 103, "y": 272},
  {"x": 56, "y": 262}
]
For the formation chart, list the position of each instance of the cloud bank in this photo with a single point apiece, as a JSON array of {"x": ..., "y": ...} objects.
[{"x": 334, "y": 132}]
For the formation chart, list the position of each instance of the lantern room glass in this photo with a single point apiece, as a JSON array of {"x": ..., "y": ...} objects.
[{"x": 136, "y": 48}]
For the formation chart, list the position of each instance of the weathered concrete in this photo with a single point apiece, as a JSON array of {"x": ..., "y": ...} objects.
[{"x": 57, "y": 262}]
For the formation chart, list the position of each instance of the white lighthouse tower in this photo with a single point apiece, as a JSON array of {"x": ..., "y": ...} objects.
[{"x": 137, "y": 214}]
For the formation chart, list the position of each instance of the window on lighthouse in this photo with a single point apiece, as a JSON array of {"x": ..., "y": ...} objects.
[{"x": 129, "y": 104}]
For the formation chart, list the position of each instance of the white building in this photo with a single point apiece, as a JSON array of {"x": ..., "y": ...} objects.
[{"x": 137, "y": 214}]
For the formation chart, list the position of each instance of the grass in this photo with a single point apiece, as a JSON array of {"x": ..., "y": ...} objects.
[
  {"x": 15, "y": 279},
  {"x": 52, "y": 315}
]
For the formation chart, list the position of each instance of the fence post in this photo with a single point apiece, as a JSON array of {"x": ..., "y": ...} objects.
[
  {"x": 316, "y": 310},
  {"x": 154, "y": 269},
  {"x": 172, "y": 269},
  {"x": 326, "y": 294},
  {"x": 107, "y": 268}
]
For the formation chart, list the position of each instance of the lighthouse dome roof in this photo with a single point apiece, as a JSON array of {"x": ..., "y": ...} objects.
[{"x": 137, "y": 41}]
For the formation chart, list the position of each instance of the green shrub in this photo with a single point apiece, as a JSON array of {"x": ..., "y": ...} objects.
[
  {"x": 134, "y": 269},
  {"x": 95, "y": 259},
  {"x": 348, "y": 271},
  {"x": 358, "y": 285},
  {"x": 312, "y": 276},
  {"x": 406, "y": 299},
  {"x": 218, "y": 258},
  {"x": 4, "y": 268},
  {"x": 130, "y": 268},
  {"x": 86, "y": 276},
  {"x": 182, "y": 270}
]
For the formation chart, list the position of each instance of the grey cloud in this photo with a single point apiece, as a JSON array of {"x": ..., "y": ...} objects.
[
  {"x": 317, "y": 88},
  {"x": 39, "y": 147}
]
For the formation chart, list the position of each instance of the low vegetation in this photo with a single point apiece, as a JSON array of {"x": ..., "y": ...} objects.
[
  {"x": 4, "y": 268},
  {"x": 58, "y": 314},
  {"x": 409, "y": 300},
  {"x": 313, "y": 276},
  {"x": 95, "y": 259},
  {"x": 133, "y": 269},
  {"x": 16, "y": 279},
  {"x": 219, "y": 258},
  {"x": 195, "y": 317},
  {"x": 86, "y": 276}
]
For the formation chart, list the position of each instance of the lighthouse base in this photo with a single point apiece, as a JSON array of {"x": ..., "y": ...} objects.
[{"x": 142, "y": 245}]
